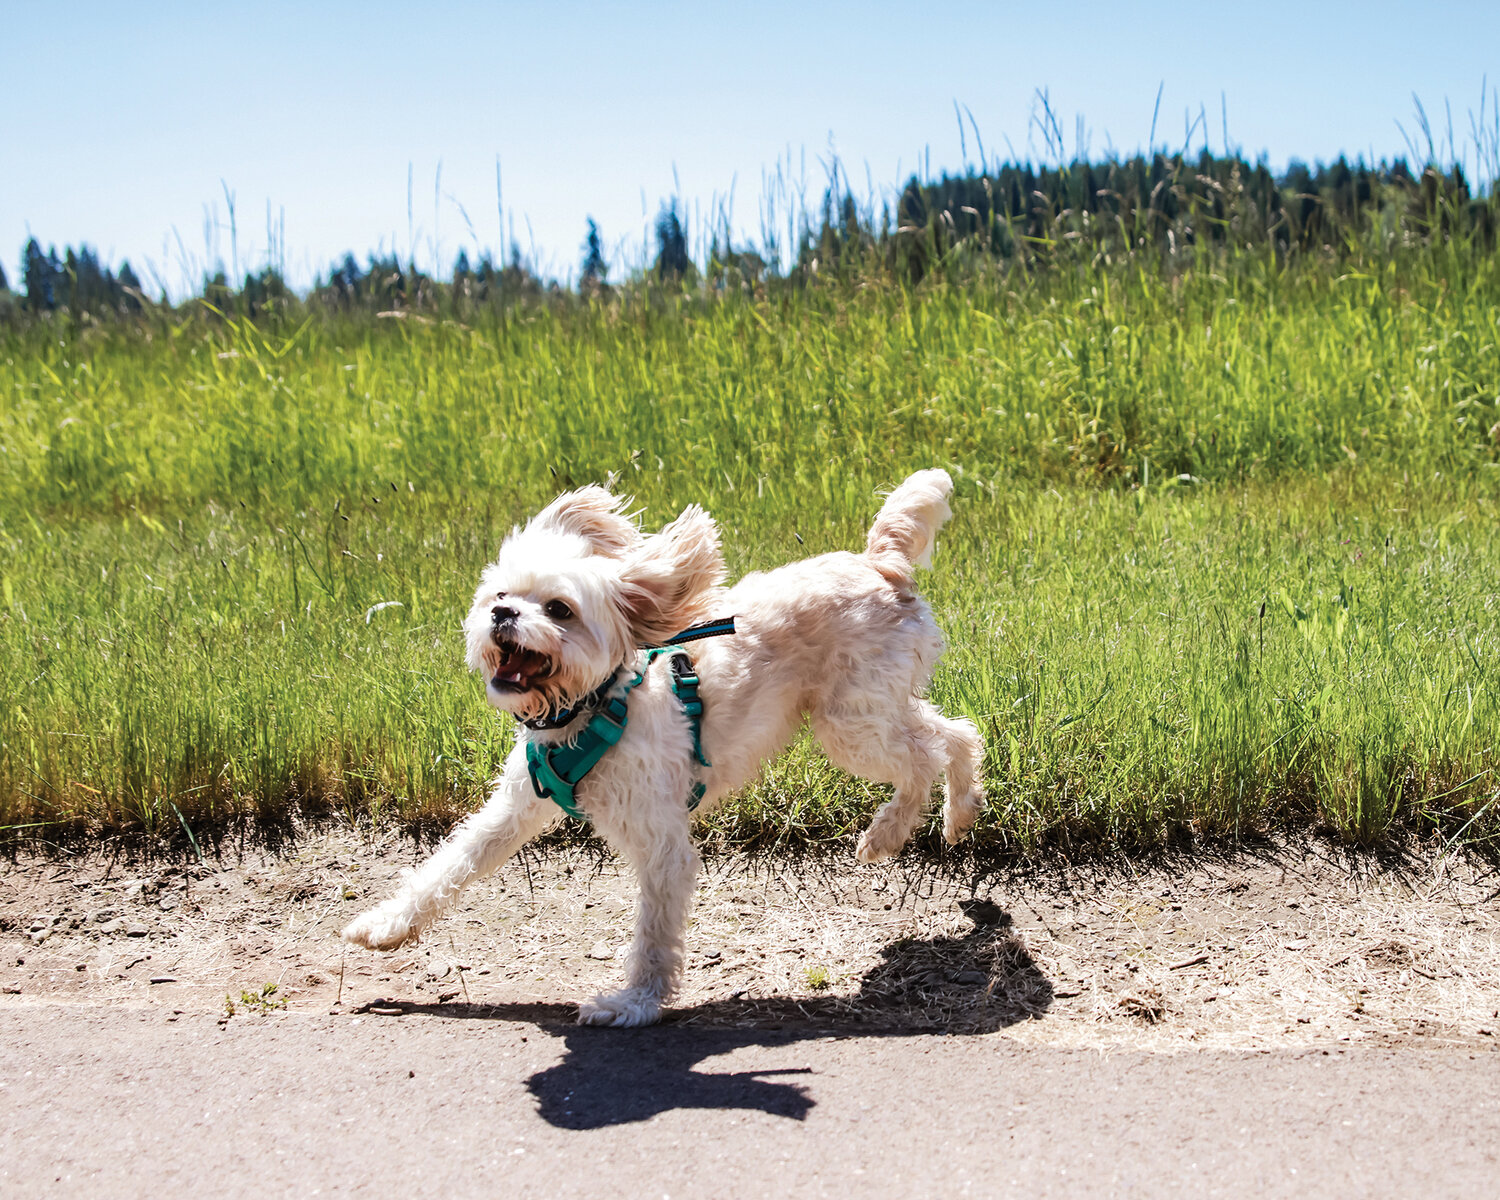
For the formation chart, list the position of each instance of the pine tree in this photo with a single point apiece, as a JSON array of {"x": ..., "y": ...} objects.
[
  {"x": 130, "y": 288},
  {"x": 264, "y": 289},
  {"x": 463, "y": 288},
  {"x": 671, "y": 256},
  {"x": 86, "y": 285},
  {"x": 594, "y": 266},
  {"x": 41, "y": 273},
  {"x": 346, "y": 280}
]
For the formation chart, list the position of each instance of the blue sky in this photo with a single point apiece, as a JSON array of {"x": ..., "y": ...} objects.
[{"x": 123, "y": 122}]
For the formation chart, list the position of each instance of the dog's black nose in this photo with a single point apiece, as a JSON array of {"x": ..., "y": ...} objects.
[{"x": 500, "y": 614}]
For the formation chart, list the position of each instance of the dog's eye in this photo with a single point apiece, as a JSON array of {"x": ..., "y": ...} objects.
[{"x": 557, "y": 610}]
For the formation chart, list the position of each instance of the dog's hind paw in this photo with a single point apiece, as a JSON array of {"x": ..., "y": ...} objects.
[
  {"x": 379, "y": 929},
  {"x": 876, "y": 845},
  {"x": 960, "y": 812},
  {"x": 622, "y": 1009}
]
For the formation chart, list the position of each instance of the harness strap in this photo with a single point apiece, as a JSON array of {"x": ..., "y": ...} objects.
[
  {"x": 685, "y": 688},
  {"x": 706, "y": 629},
  {"x": 556, "y": 771}
]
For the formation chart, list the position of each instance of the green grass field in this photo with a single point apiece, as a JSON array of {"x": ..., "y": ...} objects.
[{"x": 1224, "y": 554}]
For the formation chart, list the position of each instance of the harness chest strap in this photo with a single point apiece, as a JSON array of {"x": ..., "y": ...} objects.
[{"x": 556, "y": 770}]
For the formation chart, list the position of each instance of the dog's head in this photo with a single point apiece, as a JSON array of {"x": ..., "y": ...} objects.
[{"x": 577, "y": 590}]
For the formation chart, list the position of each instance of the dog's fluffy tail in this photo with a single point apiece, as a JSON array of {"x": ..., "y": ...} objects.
[{"x": 905, "y": 530}]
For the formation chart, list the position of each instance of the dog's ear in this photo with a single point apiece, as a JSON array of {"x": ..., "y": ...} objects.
[
  {"x": 667, "y": 584},
  {"x": 593, "y": 514}
]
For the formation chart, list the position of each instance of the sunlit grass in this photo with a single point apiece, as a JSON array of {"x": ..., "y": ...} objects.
[{"x": 1224, "y": 553}]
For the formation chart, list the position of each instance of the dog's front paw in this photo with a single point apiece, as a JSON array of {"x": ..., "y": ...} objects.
[
  {"x": 381, "y": 928},
  {"x": 622, "y": 1009}
]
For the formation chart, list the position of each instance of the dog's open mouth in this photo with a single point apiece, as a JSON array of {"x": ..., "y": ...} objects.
[{"x": 516, "y": 669}]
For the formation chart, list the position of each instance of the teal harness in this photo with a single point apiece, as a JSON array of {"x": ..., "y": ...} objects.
[{"x": 557, "y": 770}]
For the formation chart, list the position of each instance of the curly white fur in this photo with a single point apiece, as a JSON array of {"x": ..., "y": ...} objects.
[{"x": 842, "y": 639}]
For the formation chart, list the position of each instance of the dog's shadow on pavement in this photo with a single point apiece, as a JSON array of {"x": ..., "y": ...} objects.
[
  {"x": 977, "y": 983},
  {"x": 615, "y": 1077}
]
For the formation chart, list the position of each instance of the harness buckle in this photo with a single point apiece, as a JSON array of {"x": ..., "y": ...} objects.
[
  {"x": 536, "y": 766},
  {"x": 542, "y": 791}
]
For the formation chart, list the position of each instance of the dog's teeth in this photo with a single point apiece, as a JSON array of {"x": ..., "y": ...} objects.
[{"x": 513, "y": 677}]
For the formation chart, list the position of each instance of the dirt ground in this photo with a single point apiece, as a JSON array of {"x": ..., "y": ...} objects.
[
  {"x": 1278, "y": 945},
  {"x": 1279, "y": 1021}
]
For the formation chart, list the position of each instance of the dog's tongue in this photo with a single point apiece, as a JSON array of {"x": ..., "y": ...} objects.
[{"x": 519, "y": 667}]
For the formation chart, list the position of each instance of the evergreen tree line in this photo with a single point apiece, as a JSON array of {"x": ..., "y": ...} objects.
[
  {"x": 1169, "y": 203},
  {"x": 1014, "y": 213},
  {"x": 78, "y": 282}
]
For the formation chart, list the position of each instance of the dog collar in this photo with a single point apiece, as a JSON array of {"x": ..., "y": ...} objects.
[
  {"x": 562, "y": 716},
  {"x": 557, "y": 770}
]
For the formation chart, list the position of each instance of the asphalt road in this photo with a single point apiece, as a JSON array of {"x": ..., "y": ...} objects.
[{"x": 516, "y": 1102}]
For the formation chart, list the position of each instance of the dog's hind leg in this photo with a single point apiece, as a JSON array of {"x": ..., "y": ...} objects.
[
  {"x": 963, "y": 792},
  {"x": 511, "y": 816},
  {"x": 667, "y": 868},
  {"x": 909, "y": 751}
]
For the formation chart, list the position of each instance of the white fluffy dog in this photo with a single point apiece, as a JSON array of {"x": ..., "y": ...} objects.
[{"x": 842, "y": 639}]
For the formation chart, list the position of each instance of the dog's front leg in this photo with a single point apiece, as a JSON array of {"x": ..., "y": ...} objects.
[
  {"x": 479, "y": 845},
  {"x": 667, "y": 867}
]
